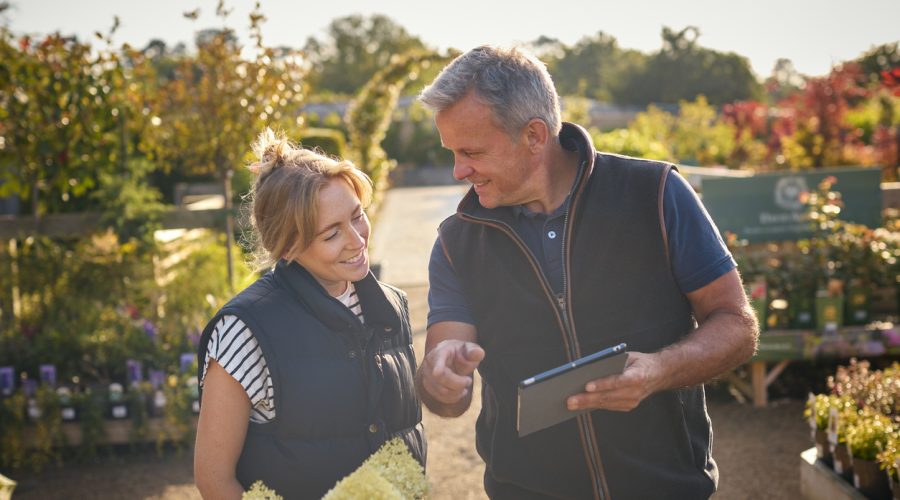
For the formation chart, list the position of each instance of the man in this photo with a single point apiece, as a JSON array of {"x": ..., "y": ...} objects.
[{"x": 556, "y": 252}]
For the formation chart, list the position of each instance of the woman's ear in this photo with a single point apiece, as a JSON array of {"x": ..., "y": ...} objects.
[{"x": 537, "y": 134}]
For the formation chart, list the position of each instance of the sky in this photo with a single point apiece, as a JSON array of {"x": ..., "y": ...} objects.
[{"x": 813, "y": 34}]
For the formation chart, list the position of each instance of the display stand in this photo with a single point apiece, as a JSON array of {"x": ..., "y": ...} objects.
[{"x": 778, "y": 348}]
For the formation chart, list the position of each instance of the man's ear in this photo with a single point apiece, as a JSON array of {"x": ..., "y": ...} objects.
[{"x": 536, "y": 134}]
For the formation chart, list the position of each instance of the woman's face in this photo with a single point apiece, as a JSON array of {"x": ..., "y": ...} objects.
[{"x": 339, "y": 252}]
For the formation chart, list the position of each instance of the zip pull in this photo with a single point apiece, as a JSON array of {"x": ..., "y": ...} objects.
[{"x": 561, "y": 300}]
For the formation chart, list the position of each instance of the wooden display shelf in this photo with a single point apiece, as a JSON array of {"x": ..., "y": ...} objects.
[{"x": 779, "y": 348}]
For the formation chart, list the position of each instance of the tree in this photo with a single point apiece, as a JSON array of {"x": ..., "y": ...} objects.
[
  {"x": 594, "y": 67},
  {"x": 355, "y": 48},
  {"x": 205, "y": 119},
  {"x": 812, "y": 129},
  {"x": 683, "y": 70},
  {"x": 784, "y": 80},
  {"x": 63, "y": 120},
  {"x": 369, "y": 115},
  {"x": 696, "y": 135},
  {"x": 750, "y": 123},
  {"x": 877, "y": 60},
  {"x": 699, "y": 137}
]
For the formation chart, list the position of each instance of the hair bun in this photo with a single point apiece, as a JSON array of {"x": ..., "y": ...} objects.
[{"x": 272, "y": 149}]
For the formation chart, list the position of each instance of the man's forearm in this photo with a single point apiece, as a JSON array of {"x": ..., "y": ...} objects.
[
  {"x": 724, "y": 341},
  {"x": 439, "y": 408}
]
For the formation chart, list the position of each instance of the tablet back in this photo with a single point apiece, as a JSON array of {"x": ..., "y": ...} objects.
[{"x": 543, "y": 402}]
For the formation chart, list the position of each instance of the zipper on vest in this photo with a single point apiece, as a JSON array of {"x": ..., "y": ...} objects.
[
  {"x": 561, "y": 296},
  {"x": 538, "y": 271},
  {"x": 564, "y": 313},
  {"x": 585, "y": 423}
]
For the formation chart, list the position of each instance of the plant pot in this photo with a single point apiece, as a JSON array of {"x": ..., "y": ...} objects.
[
  {"x": 829, "y": 312},
  {"x": 894, "y": 485},
  {"x": 856, "y": 307},
  {"x": 870, "y": 480},
  {"x": 823, "y": 451},
  {"x": 842, "y": 465},
  {"x": 802, "y": 311}
]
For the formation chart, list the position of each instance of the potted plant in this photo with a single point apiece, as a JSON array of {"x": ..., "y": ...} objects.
[
  {"x": 888, "y": 460},
  {"x": 840, "y": 418},
  {"x": 856, "y": 303},
  {"x": 830, "y": 306},
  {"x": 818, "y": 408},
  {"x": 866, "y": 437}
]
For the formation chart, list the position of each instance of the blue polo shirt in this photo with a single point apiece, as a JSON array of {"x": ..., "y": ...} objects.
[{"x": 699, "y": 255}]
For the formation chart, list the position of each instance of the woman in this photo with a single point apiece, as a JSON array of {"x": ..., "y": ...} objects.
[{"x": 310, "y": 369}]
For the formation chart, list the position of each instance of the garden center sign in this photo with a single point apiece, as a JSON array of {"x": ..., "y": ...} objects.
[{"x": 768, "y": 207}]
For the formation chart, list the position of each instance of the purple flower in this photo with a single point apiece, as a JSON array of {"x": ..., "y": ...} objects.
[
  {"x": 29, "y": 386},
  {"x": 133, "y": 371},
  {"x": 150, "y": 329},
  {"x": 48, "y": 374},
  {"x": 157, "y": 378},
  {"x": 194, "y": 336},
  {"x": 186, "y": 360},
  {"x": 7, "y": 380}
]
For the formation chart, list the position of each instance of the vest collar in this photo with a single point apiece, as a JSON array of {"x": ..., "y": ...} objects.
[{"x": 377, "y": 309}]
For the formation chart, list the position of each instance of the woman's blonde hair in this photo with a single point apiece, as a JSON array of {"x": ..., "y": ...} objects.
[{"x": 283, "y": 202}]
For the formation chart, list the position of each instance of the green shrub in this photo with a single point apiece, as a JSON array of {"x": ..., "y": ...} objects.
[
  {"x": 869, "y": 435},
  {"x": 328, "y": 140}
]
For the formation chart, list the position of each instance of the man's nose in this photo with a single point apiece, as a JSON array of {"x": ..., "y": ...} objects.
[{"x": 461, "y": 170}]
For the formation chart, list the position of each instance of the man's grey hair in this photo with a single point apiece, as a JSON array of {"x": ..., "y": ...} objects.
[{"x": 514, "y": 84}]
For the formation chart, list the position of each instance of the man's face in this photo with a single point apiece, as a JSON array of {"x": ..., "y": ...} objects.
[{"x": 484, "y": 154}]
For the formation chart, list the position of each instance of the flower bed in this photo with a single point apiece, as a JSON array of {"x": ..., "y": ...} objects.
[{"x": 101, "y": 347}]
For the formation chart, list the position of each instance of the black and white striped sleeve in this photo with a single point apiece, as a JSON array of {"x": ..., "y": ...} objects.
[{"x": 235, "y": 348}]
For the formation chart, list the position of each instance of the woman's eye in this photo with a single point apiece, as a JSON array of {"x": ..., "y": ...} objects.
[{"x": 331, "y": 236}]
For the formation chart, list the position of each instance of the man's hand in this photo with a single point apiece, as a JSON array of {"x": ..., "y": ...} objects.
[
  {"x": 726, "y": 337},
  {"x": 621, "y": 392},
  {"x": 446, "y": 372}
]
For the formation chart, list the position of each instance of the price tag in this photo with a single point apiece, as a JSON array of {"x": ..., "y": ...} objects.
[
  {"x": 833, "y": 417},
  {"x": 34, "y": 412},
  {"x": 119, "y": 411},
  {"x": 811, "y": 404},
  {"x": 159, "y": 399}
]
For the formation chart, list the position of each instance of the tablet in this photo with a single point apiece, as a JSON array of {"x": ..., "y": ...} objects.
[{"x": 542, "y": 398}]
